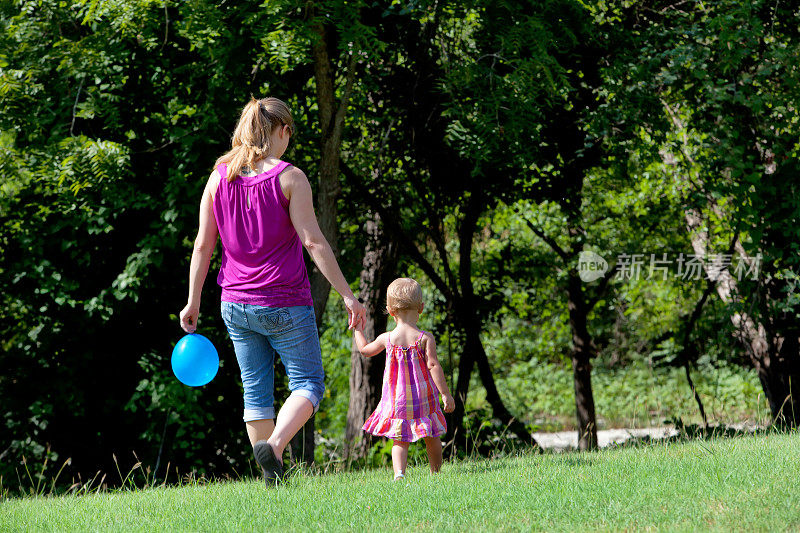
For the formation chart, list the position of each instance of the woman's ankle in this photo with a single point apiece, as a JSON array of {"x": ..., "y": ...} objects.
[{"x": 277, "y": 449}]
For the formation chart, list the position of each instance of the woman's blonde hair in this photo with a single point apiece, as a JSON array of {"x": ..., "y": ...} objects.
[
  {"x": 250, "y": 140},
  {"x": 403, "y": 293}
]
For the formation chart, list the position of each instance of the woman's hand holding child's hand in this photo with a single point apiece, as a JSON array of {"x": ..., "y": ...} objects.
[
  {"x": 449, "y": 403},
  {"x": 356, "y": 313}
]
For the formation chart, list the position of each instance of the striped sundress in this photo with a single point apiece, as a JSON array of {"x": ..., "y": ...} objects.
[{"x": 409, "y": 407}]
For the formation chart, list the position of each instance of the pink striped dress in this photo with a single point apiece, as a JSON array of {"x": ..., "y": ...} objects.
[{"x": 409, "y": 407}]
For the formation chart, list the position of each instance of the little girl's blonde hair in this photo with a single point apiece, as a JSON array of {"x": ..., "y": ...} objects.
[
  {"x": 403, "y": 293},
  {"x": 250, "y": 140}
]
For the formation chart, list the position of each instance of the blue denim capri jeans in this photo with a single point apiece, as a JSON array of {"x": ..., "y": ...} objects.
[{"x": 258, "y": 334}]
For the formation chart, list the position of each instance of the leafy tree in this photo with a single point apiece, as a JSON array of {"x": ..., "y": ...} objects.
[
  {"x": 113, "y": 116},
  {"x": 462, "y": 141},
  {"x": 725, "y": 78}
]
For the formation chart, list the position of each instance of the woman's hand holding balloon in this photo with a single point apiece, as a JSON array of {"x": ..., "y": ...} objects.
[{"x": 189, "y": 318}]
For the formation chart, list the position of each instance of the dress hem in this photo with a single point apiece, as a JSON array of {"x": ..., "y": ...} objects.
[{"x": 402, "y": 428}]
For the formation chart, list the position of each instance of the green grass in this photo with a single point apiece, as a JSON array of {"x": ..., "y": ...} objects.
[{"x": 746, "y": 483}]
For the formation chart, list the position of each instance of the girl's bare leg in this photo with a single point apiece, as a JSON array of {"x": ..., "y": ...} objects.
[
  {"x": 433, "y": 445},
  {"x": 399, "y": 457}
]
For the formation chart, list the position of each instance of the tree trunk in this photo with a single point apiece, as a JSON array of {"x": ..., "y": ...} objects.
[
  {"x": 456, "y": 436},
  {"x": 467, "y": 317},
  {"x": 582, "y": 352},
  {"x": 583, "y": 348},
  {"x": 331, "y": 120},
  {"x": 780, "y": 379},
  {"x": 775, "y": 360},
  {"x": 473, "y": 353},
  {"x": 499, "y": 409},
  {"x": 366, "y": 373}
]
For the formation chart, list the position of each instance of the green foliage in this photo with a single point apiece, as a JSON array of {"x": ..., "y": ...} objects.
[
  {"x": 114, "y": 112},
  {"x": 112, "y": 120},
  {"x": 636, "y": 395},
  {"x": 725, "y": 75}
]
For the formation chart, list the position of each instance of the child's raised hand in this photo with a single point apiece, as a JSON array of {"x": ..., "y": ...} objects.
[
  {"x": 356, "y": 313},
  {"x": 449, "y": 403},
  {"x": 359, "y": 326}
]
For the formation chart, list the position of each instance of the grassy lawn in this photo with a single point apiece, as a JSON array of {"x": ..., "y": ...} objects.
[{"x": 747, "y": 483}]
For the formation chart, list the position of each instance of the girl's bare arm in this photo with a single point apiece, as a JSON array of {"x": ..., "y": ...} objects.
[
  {"x": 437, "y": 373},
  {"x": 368, "y": 349}
]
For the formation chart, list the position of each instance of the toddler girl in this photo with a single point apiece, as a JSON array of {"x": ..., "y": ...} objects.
[{"x": 409, "y": 407}]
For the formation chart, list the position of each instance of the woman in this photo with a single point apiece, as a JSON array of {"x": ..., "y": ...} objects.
[{"x": 262, "y": 209}]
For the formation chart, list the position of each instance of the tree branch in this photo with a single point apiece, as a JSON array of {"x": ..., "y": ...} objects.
[
  {"x": 391, "y": 224},
  {"x": 601, "y": 287},
  {"x": 438, "y": 241},
  {"x": 549, "y": 240},
  {"x": 348, "y": 89},
  {"x": 75, "y": 106}
]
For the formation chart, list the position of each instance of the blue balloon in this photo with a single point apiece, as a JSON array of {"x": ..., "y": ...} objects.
[{"x": 195, "y": 360}]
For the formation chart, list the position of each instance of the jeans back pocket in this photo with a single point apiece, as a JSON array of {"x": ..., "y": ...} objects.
[{"x": 274, "y": 319}]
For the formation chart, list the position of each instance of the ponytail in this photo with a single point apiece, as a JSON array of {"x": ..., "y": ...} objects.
[{"x": 251, "y": 138}]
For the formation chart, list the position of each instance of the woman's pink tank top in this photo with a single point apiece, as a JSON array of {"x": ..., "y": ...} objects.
[{"x": 262, "y": 261}]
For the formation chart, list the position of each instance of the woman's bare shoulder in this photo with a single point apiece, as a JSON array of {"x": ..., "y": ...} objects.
[
  {"x": 291, "y": 178},
  {"x": 213, "y": 182},
  {"x": 293, "y": 174}
]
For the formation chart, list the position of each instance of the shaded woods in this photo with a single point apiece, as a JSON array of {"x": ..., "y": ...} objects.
[{"x": 483, "y": 148}]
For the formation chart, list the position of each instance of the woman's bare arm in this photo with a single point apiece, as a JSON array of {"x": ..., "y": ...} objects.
[
  {"x": 297, "y": 189},
  {"x": 204, "y": 246}
]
